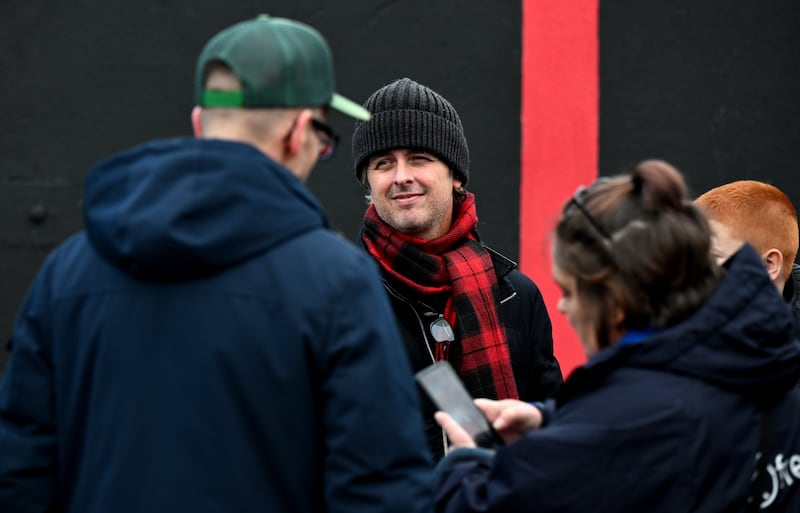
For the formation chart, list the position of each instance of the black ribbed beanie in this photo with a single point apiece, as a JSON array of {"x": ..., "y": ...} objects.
[{"x": 406, "y": 114}]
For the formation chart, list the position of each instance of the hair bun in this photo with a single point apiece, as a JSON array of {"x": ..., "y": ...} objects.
[{"x": 660, "y": 185}]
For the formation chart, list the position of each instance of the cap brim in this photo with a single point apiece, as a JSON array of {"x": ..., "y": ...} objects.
[{"x": 349, "y": 107}]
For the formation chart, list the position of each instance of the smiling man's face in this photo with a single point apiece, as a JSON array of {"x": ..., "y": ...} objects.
[{"x": 412, "y": 191}]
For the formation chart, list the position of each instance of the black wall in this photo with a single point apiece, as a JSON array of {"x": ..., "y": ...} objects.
[
  {"x": 711, "y": 87},
  {"x": 84, "y": 79}
]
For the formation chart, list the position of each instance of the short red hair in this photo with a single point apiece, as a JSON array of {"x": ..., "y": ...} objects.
[{"x": 758, "y": 213}]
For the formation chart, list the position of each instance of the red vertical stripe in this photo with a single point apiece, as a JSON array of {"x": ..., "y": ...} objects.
[{"x": 559, "y": 136}]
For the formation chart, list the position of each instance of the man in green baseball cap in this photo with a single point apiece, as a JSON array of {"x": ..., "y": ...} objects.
[
  {"x": 280, "y": 63},
  {"x": 203, "y": 344},
  {"x": 268, "y": 73}
]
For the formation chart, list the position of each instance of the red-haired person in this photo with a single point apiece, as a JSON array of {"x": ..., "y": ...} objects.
[{"x": 762, "y": 215}]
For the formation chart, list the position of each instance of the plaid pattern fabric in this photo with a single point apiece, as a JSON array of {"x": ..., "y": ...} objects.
[{"x": 458, "y": 265}]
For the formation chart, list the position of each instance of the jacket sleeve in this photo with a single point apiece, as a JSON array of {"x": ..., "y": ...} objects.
[
  {"x": 377, "y": 458},
  {"x": 595, "y": 455},
  {"x": 549, "y": 470},
  {"x": 28, "y": 454},
  {"x": 544, "y": 372}
]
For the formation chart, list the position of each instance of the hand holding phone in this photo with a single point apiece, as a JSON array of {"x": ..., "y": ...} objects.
[{"x": 447, "y": 391}]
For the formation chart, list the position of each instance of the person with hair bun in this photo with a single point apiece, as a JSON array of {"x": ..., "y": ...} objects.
[{"x": 687, "y": 401}]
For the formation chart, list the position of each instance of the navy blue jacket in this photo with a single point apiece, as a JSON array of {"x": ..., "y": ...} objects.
[
  {"x": 202, "y": 347},
  {"x": 671, "y": 424}
]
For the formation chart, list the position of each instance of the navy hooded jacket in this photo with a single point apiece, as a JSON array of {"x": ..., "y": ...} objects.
[
  {"x": 203, "y": 347},
  {"x": 671, "y": 424}
]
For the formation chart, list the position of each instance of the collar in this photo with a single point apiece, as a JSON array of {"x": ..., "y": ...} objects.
[
  {"x": 791, "y": 291},
  {"x": 632, "y": 337},
  {"x": 502, "y": 264}
]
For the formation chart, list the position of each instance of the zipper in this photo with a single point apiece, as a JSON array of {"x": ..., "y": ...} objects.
[
  {"x": 445, "y": 446},
  {"x": 419, "y": 319},
  {"x": 512, "y": 296}
]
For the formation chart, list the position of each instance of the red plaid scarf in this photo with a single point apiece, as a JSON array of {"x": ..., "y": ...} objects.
[{"x": 457, "y": 264}]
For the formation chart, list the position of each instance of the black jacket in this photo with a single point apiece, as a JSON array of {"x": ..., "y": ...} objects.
[
  {"x": 528, "y": 331},
  {"x": 791, "y": 291}
]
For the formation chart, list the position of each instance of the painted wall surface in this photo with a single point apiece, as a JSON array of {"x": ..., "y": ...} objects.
[
  {"x": 92, "y": 78},
  {"x": 559, "y": 138},
  {"x": 709, "y": 86}
]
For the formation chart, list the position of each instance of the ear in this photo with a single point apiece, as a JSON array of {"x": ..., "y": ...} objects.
[
  {"x": 457, "y": 183},
  {"x": 197, "y": 121},
  {"x": 616, "y": 327},
  {"x": 619, "y": 317},
  {"x": 297, "y": 137},
  {"x": 773, "y": 261}
]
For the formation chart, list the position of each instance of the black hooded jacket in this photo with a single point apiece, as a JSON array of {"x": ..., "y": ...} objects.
[{"x": 791, "y": 291}]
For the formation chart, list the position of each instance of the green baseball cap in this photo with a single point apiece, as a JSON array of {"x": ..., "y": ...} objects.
[{"x": 279, "y": 62}]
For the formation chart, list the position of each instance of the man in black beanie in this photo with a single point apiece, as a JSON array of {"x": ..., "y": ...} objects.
[{"x": 455, "y": 299}]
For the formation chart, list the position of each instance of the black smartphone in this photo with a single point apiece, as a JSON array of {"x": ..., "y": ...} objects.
[{"x": 445, "y": 388}]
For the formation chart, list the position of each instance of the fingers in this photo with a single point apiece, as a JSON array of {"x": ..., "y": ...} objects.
[
  {"x": 491, "y": 408},
  {"x": 458, "y": 437},
  {"x": 521, "y": 416},
  {"x": 510, "y": 418}
]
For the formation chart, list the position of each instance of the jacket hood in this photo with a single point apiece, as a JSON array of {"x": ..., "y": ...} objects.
[
  {"x": 744, "y": 338},
  {"x": 185, "y": 208}
]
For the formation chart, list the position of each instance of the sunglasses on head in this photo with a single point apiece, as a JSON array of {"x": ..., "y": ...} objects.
[
  {"x": 441, "y": 330},
  {"x": 577, "y": 201}
]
